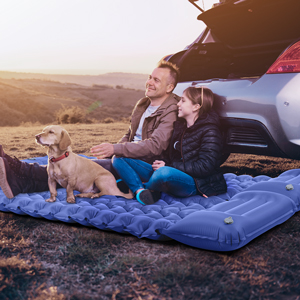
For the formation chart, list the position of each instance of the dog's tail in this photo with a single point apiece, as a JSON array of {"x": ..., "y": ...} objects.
[{"x": 129, "y": 195}]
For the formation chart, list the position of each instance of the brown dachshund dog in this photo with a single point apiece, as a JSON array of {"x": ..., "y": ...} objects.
[{"x": 74, "y": 172}]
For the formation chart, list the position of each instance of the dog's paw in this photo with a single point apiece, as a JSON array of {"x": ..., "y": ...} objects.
[
  {"x": 50, "y": 200},
  {"x": 84, "y": 195},
  {"x": 97, "y": 195},
  {"x": 71, "y": 200}
]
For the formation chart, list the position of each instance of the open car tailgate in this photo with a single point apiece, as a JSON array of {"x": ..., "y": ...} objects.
[{"x": 246, "y": 23}]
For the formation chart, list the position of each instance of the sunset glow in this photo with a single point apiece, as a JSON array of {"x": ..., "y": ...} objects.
[{"x": 94, "y": 36}]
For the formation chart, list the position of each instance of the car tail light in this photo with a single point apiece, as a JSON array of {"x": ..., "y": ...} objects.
[{"x": 288, "y": 61}]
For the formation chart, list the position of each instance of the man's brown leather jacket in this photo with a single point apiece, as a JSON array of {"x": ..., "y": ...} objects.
[{"x": 156, "y": 133}]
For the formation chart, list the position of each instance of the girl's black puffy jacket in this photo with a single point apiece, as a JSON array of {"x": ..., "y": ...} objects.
[{"x": 197, "y": 152}]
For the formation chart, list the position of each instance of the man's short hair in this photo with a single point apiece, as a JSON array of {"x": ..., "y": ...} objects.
[{"x": 174, "y": 70}]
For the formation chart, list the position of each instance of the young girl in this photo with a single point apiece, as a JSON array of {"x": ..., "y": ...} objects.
[{"x": 192, "y": 165}]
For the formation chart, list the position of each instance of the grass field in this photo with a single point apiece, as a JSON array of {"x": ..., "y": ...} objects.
[{"x": 41, "y": 259}]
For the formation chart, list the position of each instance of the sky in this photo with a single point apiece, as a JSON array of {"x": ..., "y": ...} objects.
[{"x": 94, "y": 36}]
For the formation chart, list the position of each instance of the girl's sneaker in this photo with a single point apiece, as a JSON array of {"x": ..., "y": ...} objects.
[{"x": 147, "y": 197}]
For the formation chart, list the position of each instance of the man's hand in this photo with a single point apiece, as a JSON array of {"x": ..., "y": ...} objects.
[
  {"x": 103, "y": 150},
  {"x": 158, "y": 164}
]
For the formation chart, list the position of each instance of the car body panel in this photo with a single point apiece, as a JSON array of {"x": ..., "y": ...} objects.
[{"x": 272, "y": 100}]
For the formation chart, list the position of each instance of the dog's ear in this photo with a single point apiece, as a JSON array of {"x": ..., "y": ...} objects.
[{"x": 65, "y": 140}]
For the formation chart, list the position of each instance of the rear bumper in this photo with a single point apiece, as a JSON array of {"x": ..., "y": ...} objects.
[{"x": 258, "y": 115}]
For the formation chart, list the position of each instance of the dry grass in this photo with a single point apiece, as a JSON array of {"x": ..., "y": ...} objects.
[
  {"x": 40, "y": 259},
  {"x": 20, "y": 141}
]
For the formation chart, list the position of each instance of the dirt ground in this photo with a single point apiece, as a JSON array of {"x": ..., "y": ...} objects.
[{"x": 40, "y": 259}]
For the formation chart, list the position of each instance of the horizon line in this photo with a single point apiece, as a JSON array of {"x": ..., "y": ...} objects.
[{"x": 82, "y": 72}]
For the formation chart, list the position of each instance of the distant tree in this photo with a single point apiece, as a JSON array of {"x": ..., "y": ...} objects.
[{"x": 108, "y": 120}]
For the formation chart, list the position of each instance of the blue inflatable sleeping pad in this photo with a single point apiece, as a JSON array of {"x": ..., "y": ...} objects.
[{"x": 251, "y": 206}]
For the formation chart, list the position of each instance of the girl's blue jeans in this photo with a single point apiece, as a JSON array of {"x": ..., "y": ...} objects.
[{"x": 138, "y": 174}]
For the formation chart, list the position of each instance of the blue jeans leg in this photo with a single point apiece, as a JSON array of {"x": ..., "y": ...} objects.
[
  {"x": 133, "y": 171},
  {"x": 173, "y": 182}
]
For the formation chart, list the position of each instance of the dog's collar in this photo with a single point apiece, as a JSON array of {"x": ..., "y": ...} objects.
[{"x": 66, "y": 154}]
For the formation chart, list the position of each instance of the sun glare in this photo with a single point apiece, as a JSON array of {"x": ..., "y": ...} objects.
[{"x": 118, "y": 35}]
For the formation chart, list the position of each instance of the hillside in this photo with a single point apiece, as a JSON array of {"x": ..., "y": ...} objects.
[
  {"x": 127, "y": 80},
  {"x": 37, "y": 100}
]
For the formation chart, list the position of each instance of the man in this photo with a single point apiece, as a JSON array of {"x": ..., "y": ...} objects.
[{"x": 147, "y": 137}]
